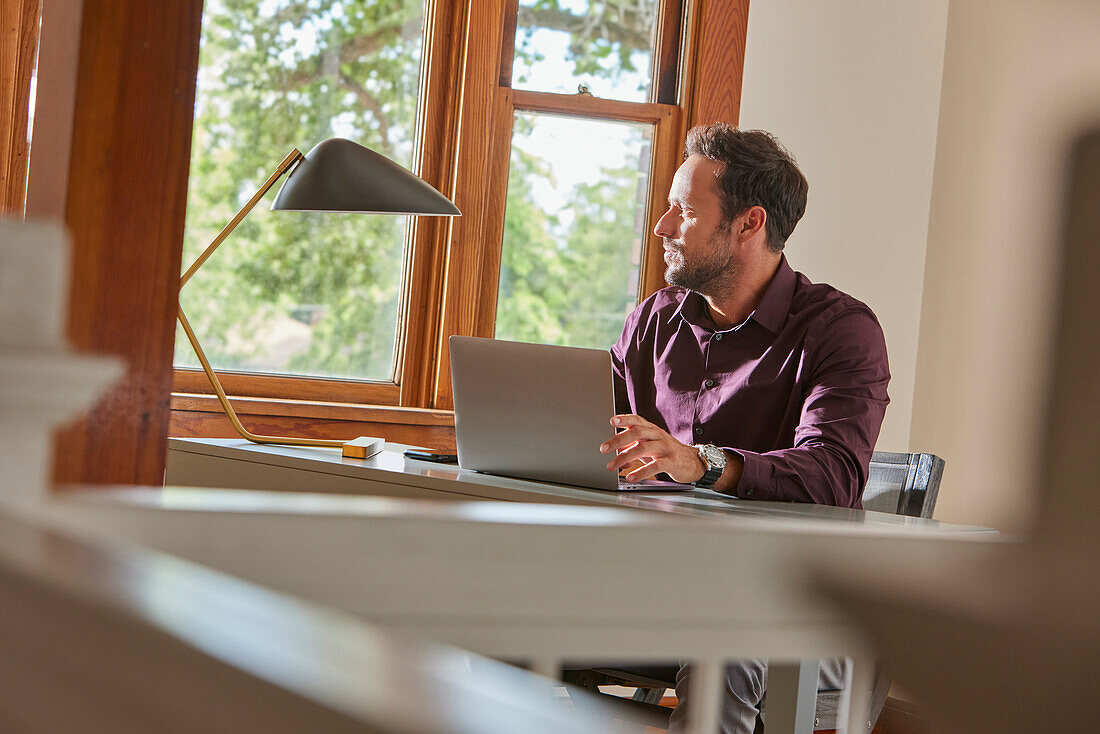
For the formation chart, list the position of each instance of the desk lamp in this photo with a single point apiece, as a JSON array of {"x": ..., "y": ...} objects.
[{"x": 336, "y": 176}]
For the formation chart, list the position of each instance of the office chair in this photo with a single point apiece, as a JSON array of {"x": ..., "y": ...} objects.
[{"x": 897, "y": 483}]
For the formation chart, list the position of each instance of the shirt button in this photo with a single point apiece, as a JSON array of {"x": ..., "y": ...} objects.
[
  {"x": 717, "y": 337},
  {"x": 748, "y": 493},
  {"x": 709, "y": 383},
  {"x": 698, "y": 430}
]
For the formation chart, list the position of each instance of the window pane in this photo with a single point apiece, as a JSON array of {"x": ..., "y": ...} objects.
[
  {"x": 573, "y": 230},
  {"x": 288, "y": 292},
  {"x": 606, "y": 45}
]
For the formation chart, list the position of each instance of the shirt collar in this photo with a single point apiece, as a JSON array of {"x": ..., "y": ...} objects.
[{"x": 771, "y": 313}]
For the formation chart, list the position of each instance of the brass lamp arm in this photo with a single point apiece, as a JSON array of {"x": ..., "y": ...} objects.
[
  {"x": 228, "y": 407},
  {"x": 288, "y": 163},
  {"x": 359, "y": 448}
]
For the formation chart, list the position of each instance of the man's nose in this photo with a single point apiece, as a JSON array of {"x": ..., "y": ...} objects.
[{"x": 665, "y": 226}]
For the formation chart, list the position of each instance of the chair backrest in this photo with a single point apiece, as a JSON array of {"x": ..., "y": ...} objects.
[{"x": 903, "y": 484}]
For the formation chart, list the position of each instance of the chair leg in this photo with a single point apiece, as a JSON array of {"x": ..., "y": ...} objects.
[{"x": 792, "y": 696}]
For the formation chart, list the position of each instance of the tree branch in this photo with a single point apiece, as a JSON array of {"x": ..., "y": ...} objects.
[
  {"x": 627, "y": 23},
  {"x": 368, "y": 101}
]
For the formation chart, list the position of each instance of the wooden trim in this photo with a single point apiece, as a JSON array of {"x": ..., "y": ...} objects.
[
  {"x": 716, "y": 61},
  {"x": 508, "y": 43},
  {"x": 418, "y": 326},
  {"x": 200, "y": 416},
  {"x": 666, "y": 57},
  {"x": 665, "y": 159},
  {"x": 499, "y": 162},
  {"x": 18, "y": 46},
  {"x": 583, "y": 105},
  {"x": 466, "y": 256},
  {"x": 317, "y": 409},
  {"x": 689, "y": 57},
  {"x": 125, "y": 205},
  {"x": 287, "y": 387}
]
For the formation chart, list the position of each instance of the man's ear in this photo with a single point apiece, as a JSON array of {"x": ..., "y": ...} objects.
[{"x": 752, "y": 222}]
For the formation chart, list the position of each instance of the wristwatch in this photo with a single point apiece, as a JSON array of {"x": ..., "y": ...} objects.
[{"x": 714, "y": 459}]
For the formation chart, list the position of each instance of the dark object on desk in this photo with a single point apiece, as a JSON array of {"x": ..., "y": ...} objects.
[
  {"x": 439, "y": 457},
  {"x": 898, "y": 483}
]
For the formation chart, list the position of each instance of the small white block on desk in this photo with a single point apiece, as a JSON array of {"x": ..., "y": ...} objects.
[{"x": 363, "y": 447}]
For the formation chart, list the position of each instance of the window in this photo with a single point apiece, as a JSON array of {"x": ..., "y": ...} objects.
[
  {"x": 298, "y": 293},
  {"x": 578, "y": 184},
  {"x": 555, "y": 125},
  {"x": 574, "y": 227}
]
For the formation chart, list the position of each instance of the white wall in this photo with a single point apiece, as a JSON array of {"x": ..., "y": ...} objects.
[
  {"x": 934, "y": 139},
  {"x": 1020, "y": 77},
  {"x": 852, "y": 88}
]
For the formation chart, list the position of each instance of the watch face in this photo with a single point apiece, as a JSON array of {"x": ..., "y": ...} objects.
[{"x": 714, "y": 456}]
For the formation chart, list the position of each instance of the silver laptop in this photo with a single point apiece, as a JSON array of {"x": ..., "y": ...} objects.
[{"x": 536, "y": 411}]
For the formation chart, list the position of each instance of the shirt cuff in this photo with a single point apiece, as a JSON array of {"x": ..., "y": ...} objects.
[{"x": 755, "y": 475}]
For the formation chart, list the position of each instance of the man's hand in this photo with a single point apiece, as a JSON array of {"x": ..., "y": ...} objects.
[{"x": 640, "y": 440}]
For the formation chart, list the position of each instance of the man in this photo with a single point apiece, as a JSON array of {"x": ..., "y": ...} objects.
[{"x": 742, "y": 375}]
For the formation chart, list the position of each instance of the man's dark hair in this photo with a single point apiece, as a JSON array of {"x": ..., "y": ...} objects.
[{"x": 756, "y": 171}]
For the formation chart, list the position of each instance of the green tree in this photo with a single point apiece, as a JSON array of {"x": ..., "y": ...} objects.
[{"x": 571, "y": 285}]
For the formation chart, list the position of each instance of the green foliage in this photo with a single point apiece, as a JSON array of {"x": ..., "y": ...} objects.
[
  {"x": 608, "y": 39},
  {"x": 574, "y": 289}
]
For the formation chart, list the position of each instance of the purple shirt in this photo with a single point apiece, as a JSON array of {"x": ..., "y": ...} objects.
[{"x": 798, "y": 389}]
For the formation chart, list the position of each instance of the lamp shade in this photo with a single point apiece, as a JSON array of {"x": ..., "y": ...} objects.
[{"x": 341, "y": 176}]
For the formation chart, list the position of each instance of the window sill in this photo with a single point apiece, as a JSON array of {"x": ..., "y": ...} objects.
[{"x": 200, "y": 416}]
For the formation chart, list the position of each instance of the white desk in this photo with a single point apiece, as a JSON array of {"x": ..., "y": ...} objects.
[
  {"x": 236, "y": 463},
  {"x": 534, "y": 581}
]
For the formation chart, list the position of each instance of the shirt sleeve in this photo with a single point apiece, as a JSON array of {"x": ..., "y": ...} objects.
[
  {"x": 624, "y": 354},
  {"x": 841, "y": 417},
  {"x": 618, "y": 378}
]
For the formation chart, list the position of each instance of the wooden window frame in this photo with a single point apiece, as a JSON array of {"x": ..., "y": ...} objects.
[
  {"x": 452, "y": 266},
  {"x": 19, "y": 20}
]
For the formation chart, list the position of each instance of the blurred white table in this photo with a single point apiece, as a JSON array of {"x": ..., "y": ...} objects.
[
  {"x": 105, "y": 639},
  {"x": 709, "y": 580}
]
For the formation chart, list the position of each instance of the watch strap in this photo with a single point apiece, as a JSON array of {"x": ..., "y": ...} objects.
[{"x": 709, "y": 479}]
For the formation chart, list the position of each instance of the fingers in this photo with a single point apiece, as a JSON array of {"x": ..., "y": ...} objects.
[
  {"x": 639, "y": 441},
  {"x": 626, "y": 420},
  {"x": 633, "y": 429},
  {"x": 646, "y": 471},
  {"x": 639, "y": 451}
]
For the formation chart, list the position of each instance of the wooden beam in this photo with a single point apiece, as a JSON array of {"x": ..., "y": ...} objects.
[
  {"x": 124, "y": 206},
  {"x": 18, "y": 46},
  {"x": 717, "y": 61}
]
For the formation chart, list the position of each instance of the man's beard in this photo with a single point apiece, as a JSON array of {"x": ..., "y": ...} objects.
[{"x": 709, "y": 274}]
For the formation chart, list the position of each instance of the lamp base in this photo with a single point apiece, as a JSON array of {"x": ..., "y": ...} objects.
[{"x": 363, "y": 447}]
